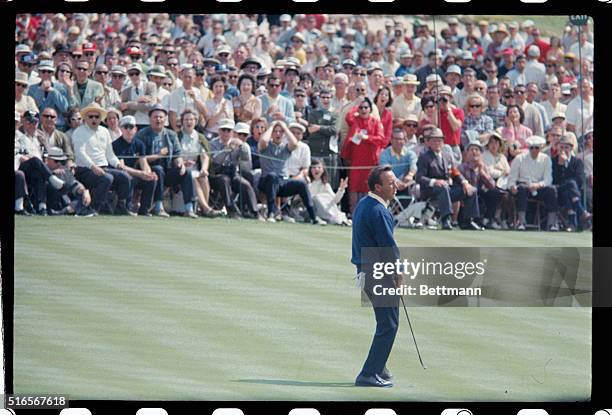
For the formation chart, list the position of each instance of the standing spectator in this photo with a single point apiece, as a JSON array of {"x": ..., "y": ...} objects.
[
  {"x": 542, "y": 45},
  {"x": 48, "y": 93},
  {"x": 535, "y": 72},
  {"x": 583, "y": 47},
  {"x": 98, "y": 168},
  {"x": 494, "y": 108},
  {"x": 247, "y": 106},
  {"x": 434, "y": 66},
  {"x": 476, "y": 123},
  {"x": 339, "y": 99},
  {"x": 533, "y": 119},
  {"x": 139, "y": 96},
  {"x": 469, "y": 80},
  {"x": 322, "y": 135},
  {"x": 453, "y": 78},
  {"x": 185, "y": 97},
  {"x": 132, "y": 152},
  {"x": 518, "y": 76},
  {"x": 112, "y": 98},
  {"x": 408, "y": 102},
  {"x": 533, "y": 98},
  {"x": 164, "y": 156},
  {"x": 579, "y": 111},
  {"x": 274, "y": 106},
  {"x": 361, "y": 149},
  {"x": 451, "y": 121},
  {"x": 217, "y": 107},
  {"x": 531, "y": 175},
  {"x": 85, "y": 91},
  {"x": 23, "y": 102},
  {"x": 383, "y": 102},
  {"x": 514, "y": 132}
]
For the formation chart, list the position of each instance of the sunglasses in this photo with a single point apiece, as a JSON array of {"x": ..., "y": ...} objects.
[
  {"x": 133, "y": 74},
  {"x": 45, "y": 71},
  {"x": 413, "y": 125},
  {"x": 102, "y": 72},
  {"x": 534, "y": 147},
  {"x": 117, "y": 76},
  {"x": 224, "y": 55},
  {"x": 28, "y": 65},
  {"x": 128, "y": 126},
  {"x": 274, "y": 85},
  {"x": 93, "y": 117},
  {"x": 82, "y": 69},
  {"x": 430, "y": 106},
  {"x": 21, "y": 85},
  {"x": 359, "y": 74},
  {"x": 168, "y": 52},
  {"x": 475, "y": 105},
  {"x": 233, "y": 77},
  {"x": 507, "y": 96},
  {"x": 89, "y": 54},
  {"x": 167, "y": 84},
  {"x": 225, "y": 129},
  {"x": 300, "y": 96},
  {"x": 325, "y": 97},
  {"x": 50, "y": 116},
  {"x": 519, "y": 92},
  {"x": 65, "y": 71}
]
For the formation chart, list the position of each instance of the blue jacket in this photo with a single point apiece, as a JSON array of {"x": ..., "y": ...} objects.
[
  {"x": 373, "y": 227},
  {"x": 56, "y": 99},
  {"x": 285, "y": 106},
  {"x": 154, "y": 142}
]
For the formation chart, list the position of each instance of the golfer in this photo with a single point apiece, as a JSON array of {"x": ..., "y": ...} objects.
[{"x": 373, "y": 228}]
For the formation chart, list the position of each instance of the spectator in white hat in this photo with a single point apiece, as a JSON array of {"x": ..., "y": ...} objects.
[
  {"x": 50, "y": 93},
  {"x": 531, "y": 177},
  {"x": 339, "y": 99},
  {"x": 139, "y": 96},
  {"x": 23, "y": 102},
  {"x": 408, "y": 102},
  {"x": 299, "y": 161},
  {"x": 535, "y": 71}
]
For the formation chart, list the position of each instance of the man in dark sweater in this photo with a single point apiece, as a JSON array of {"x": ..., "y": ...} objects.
[{"x": 373, "y": 227}]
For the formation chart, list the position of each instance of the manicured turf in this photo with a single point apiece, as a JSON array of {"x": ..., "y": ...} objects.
[{"x": 146, "y": 308}]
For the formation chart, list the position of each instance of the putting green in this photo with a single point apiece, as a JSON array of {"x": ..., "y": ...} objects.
[{"x": 146, "y": 308}]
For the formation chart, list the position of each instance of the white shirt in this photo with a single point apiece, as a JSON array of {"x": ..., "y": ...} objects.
[
  {"x": 535, "y": 72},
  {"x": 93, "y": 147},
  {"x": 179, "y": 100},
  {"x": 550, "y": 110},
  {"x": 299, "y": 159},
  {"x": 586, "y": 50},
  {"x": 573, "y": 114},
  {"x": 525, "y": 169},
  {"x": 213, "y": 107},
  {"x": 142, "y": 118}
]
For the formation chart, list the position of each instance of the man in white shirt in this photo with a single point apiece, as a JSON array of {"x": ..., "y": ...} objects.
[
  {"x": 408, "y": 102},
  {"x": 97, "y": 165},
  {"x": 583, "y": 47},
  {"x": 299, "y": 161},
  {"x": 185, "y": 97},
  {"x": 579, "y": 114},
  {"x": 534, "y": 70},
  {"x": 531, "y": 176}
]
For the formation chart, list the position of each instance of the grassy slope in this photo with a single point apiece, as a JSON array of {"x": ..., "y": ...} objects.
[{"x": 216, "y": 309}]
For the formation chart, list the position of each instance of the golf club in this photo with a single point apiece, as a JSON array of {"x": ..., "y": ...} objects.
[{"x": 412, "y": 332}]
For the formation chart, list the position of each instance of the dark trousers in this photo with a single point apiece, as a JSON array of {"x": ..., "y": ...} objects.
[
  {"x": 492, "y": 199},
  {"x": 566, "y": 192},
  {"x": 225, "y": 185},
  {"x": 99, "y": 186},
  {"x": 36, "y": 174},
  {"x": 387, "y": 324},
  {"x": 172, "y": 177},
  {"x": 444, "y": 197},
  {"x": 147, "y": 188},
  {"x": 20, "y": 184},
  {"x": 546, "y": 194},
  {"x": 274, "y": 185}
]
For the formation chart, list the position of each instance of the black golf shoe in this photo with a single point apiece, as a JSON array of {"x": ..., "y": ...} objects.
[{"x": 374, "y": 381}]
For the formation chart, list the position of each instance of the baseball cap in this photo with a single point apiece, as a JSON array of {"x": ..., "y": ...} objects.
[
  {"x": 227, "y": 123},
  {"x": 127, "y": 120}
]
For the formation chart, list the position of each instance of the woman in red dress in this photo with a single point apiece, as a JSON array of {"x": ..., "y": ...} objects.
[{"x": 361, "y": 148}]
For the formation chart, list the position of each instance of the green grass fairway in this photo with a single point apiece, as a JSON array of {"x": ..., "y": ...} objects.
[{"x": 178, "y": 309}]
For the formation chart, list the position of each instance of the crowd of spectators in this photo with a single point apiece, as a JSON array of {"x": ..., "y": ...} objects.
[{"x": 281, "y": 117}]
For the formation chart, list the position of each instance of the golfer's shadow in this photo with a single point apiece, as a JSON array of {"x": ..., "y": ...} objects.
[{"x": 280, "y": 382}]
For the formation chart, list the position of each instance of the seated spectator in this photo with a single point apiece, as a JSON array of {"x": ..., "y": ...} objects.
[
  {"x": 75, "y": 120},
  {"x": 475, "y": 170},
  {"x": 98, "y": 168},
  {"x": 444, "y": 185},
  {"x": 326, "y": 202},
  {"x": 299, "y": 161},
  {"x": 163, "y": 152},
  {"x": 497, "y": 164},
  {"x": 402, "y": 160},
  {"x": 587, "y": 159},
  {"x": 531, "y": 176},
  {"x": 227, "y": 152},
  {"x": 275, "y": 181},
  {"x": 72, "y": 197},
  {"x": 132, "y": 152},
  {"x": 112, "y": 123},
  {"x": 568, "y": 177},
  {"x": 196, "y": 154}
]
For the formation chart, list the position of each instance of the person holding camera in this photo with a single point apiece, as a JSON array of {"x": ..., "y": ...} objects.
[{"x": 451, "y": 120}]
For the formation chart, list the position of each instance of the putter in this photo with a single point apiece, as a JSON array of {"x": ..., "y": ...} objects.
[{"x": 412, "y": 332}]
